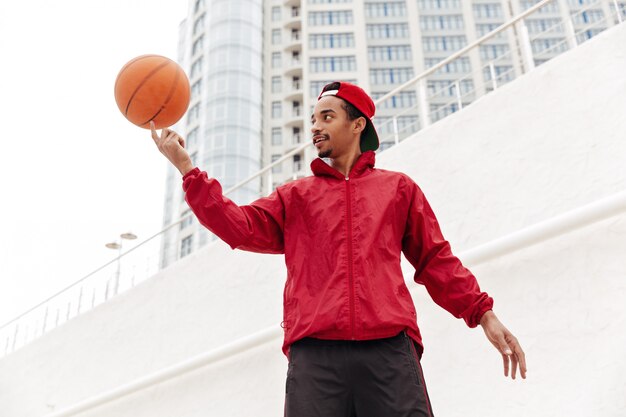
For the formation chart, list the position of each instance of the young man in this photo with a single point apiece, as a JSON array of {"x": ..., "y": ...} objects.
[{"x": 351, "y": 334}]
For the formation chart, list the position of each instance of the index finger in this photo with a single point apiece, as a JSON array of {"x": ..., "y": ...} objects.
[
  {"x": 155, "y": 136},
  {"x": 521, "y": 357}
]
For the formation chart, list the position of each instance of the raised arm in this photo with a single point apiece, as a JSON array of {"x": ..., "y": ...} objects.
[{"x": 257, "y": 227}]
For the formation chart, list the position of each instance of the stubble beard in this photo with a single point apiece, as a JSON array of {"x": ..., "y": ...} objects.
[{"x": 326, "y": 153}]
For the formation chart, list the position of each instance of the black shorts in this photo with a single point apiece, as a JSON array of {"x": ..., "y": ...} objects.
[{"x": 345, "y": 378}]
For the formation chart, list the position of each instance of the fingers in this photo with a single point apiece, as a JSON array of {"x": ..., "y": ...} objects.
[
  {"x": 513, "y": 366},
  {"x": 520, "y": 358},
  {"x": 505, "y": 360},
  {"x": 516, "y": 357},
  {"x": 153, "y": 131}
]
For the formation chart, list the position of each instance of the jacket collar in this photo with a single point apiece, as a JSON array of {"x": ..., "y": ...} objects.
[{"x": 365, "y": 161}]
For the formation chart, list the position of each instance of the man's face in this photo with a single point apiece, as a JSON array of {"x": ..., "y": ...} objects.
[{"x": 333, "y": 133}]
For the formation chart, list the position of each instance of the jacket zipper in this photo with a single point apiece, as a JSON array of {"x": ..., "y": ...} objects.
[{"x": 350, "y": 272}]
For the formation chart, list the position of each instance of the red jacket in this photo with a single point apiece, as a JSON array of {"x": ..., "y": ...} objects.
[{"x": 342, "y": 239}]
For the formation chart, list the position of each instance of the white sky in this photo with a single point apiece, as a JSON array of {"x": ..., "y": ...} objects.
[{"x": 74, "y": 174}]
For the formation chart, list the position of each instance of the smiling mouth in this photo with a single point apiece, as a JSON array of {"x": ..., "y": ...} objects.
[{"x": 318, "y": 140}]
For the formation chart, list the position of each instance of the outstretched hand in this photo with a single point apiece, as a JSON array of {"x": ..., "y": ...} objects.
[
  {"x": 507, "y": 344},
  {"x": 172, "y": 145}
]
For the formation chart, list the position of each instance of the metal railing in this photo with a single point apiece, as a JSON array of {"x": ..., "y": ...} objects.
[{"x": 141, "y": 262}]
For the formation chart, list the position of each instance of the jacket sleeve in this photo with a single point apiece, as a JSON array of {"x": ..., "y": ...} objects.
[
  {"x": 449, "y": 283},
  {"x": 256, "y": 227}
]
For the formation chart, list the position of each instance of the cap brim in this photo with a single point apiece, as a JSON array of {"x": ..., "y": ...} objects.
[{"x": 369, "y": 137}]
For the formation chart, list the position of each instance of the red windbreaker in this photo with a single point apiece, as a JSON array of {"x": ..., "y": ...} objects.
[{"x": 342, "y": 239}]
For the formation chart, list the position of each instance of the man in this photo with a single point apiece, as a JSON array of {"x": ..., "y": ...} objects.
[{"x": 351, "y": 335}]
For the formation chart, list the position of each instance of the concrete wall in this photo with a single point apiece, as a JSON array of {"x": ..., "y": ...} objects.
[{"x": 549, "y": 142}]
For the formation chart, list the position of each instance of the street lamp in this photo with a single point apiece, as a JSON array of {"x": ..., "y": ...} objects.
[{"x": 118, "y": 246}]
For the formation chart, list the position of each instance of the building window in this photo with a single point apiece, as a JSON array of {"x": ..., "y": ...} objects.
[
  {"x": 315, "y": 87},
  {"x": 193, "y": 114},
  {"x": 276, "y": 13},
  {"x": 404, "y": 99},
  {"x": 198, "y": 25},
  {"x": 276, "y": 60},
  {"x": 331, "y": 40},
  {"x": 187, "y": 219},
  {"x": 275, "y": 36},
  {"x": 487, "y": 10},
  {"x": 295, "y": 135},
  {"x": 552, "y": 7},
  {"x": 192, "y": 138},
  {"x": 387, "y": 31},
  {"x": 186, "y": 246},
  {"x": 277, "y": 136},
  {"x": 337, "y": 17},
  {"x": 276, "y": 110},
  {"x": 448, "y": 22},
  {"x": 484, "y": 28},
  {"x": 276, "y": 84},
  {"x": 438, "y": 4},
  {"x": 503, "y": 73},
  {"x": 197, "y": 46},
  {"x": 278, "y": 168},
  {"x": 542, "y": 25},
  {"x": 297, "y": 163},
  {"x": 549, "y": 45},
  {"x": 385, "y": 76},
  {"x": 333, "y": 64},
  {"x": 389, "y": 53},
  {"x": 196, "y": 68},
  {"x": 328, "y": 1},
  {"x": 447, "y": 88},
  {"x": 493, "y": 51},
  {"x": 385, "y": 9},
  {"x": 443, "y": 43},
  {"x": 198, "y": 5},
  {"x": 196, "y": 89},
  {"x": 459, "y": 65}
]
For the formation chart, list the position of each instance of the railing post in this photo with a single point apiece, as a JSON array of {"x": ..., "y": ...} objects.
[
  {"x": 80, "y": 300},
  {"x": 423, "y": 108},
  {"x": 15, "y": 337},
  {"x": 395, "y": 130},
  {"x": 45, "y": 321},
  {"x": 528, "y": 60},
  {"x": 457, "y": 90},
  {"x": 568, "y": 26},
  {"x": 492, "y": 71},
  {"x": 618, "y": 11}
]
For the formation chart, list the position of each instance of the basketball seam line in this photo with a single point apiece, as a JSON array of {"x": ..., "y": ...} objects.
[
  {"x": 154, "y": 71},
  {"x": 168, "y": 98}
]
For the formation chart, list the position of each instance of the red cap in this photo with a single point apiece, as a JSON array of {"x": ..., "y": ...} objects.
[{"x": 356, "y": 96}]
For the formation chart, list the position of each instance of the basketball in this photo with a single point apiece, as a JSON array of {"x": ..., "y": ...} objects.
[{"x": 152, "y": 88}]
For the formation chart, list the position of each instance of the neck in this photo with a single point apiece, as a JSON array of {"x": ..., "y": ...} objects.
[{"x": 344, "y": 163}]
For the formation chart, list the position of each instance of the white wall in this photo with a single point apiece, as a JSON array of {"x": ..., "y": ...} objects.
[{"x": 547, "y": 143}]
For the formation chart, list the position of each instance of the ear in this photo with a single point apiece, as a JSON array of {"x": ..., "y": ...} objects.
[{"x": 358, "y": 125}]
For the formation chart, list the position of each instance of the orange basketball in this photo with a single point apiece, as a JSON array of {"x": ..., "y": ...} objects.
[{"x": 152, "y": 88}]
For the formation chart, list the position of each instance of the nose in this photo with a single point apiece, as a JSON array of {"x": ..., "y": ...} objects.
[{"x": 314, "y": 128}]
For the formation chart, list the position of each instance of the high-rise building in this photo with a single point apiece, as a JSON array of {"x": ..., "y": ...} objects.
[{"x": 253, "y": 58}]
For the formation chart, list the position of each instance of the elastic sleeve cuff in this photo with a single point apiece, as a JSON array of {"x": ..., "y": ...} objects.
[{"x": 194, "y": 171}]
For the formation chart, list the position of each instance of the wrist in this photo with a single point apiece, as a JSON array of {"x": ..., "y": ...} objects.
[
  {"x": 185, "y": 168},
  {"x": 487, "y": 316}
]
